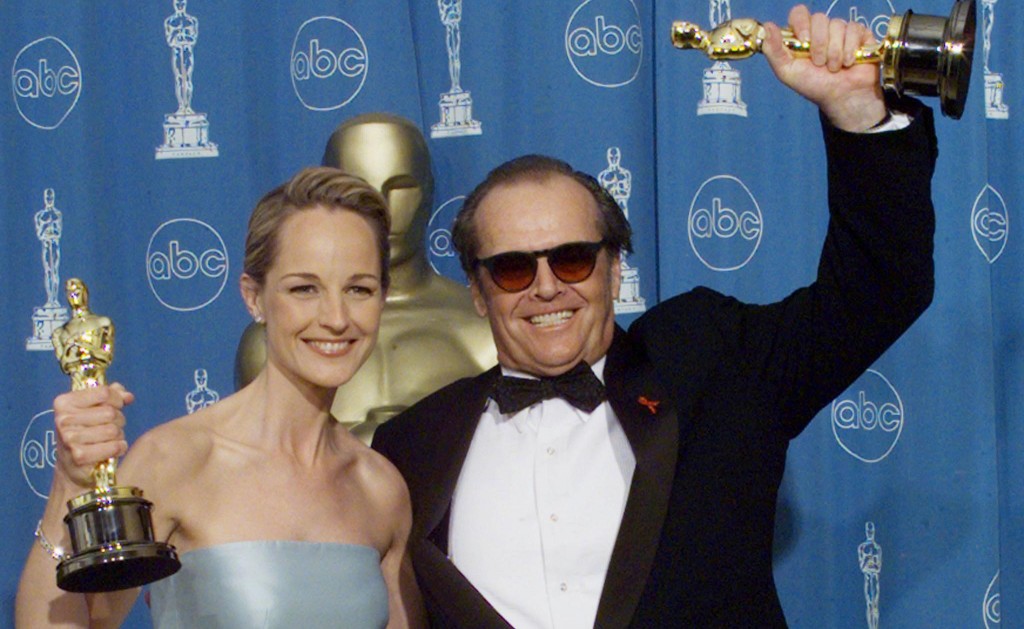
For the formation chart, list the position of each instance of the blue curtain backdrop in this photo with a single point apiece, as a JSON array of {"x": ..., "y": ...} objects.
[{"x": 720, "y": 169}]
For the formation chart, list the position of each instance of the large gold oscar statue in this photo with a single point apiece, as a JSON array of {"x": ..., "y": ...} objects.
[{"x": 430, "y": 333}]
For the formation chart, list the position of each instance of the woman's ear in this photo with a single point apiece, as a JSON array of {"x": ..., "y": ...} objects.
[{"x": 250, "y": 290}]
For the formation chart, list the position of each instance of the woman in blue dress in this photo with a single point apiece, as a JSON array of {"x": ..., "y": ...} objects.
[{"x": 280, "y": 516}]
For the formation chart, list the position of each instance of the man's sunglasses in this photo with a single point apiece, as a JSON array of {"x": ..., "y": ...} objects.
[{"x": 571, "y": 262}]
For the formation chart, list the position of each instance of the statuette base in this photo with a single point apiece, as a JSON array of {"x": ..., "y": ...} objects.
[
  {"x": 994, "y": 106},
  {"x": 112, "y": 543},
  {"x": 186, "y": 135},
  {"x": 456, "y": 117},
  {"x": 45, "y": 319}
]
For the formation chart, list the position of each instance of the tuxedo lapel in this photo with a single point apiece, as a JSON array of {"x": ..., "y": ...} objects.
[
  {"x": 651, "y": 425},
  {"x": 452, "y": 599},
  {"x": 465, "y": 412}
]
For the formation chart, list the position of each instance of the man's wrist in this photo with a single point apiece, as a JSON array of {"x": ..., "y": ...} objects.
[{"x": 858, "y": 112}]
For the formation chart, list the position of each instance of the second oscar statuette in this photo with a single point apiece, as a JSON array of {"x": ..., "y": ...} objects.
[
  {"x": 926, "y": 55},
  {"x": 112, "y": 542}
]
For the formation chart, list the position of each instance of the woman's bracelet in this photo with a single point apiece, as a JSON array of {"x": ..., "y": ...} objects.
[{"x": 51, "y": 550}]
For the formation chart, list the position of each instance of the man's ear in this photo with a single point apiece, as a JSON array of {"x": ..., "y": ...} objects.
[
  {"x": 250, "y": 290},
  {"x": 478, "y": 297},
  {"x": 616, "y": 274}
]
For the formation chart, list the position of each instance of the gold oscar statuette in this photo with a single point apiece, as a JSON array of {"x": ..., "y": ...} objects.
[
  {"x": 926, "y": 55},
  {"x": 112, "y": 544}
]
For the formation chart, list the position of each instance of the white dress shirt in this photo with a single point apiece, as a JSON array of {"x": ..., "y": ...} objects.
[{"x": 537, "y": 509}]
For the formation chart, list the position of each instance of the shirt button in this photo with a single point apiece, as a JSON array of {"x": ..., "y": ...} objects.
[
  {"x": 551, "y": 451},
  {"x": 564, "y": 587},
  {"x": 554, "y": 517}
]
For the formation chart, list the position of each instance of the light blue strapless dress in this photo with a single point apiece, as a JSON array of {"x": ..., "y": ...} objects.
[{"x": 273, "y": 584}]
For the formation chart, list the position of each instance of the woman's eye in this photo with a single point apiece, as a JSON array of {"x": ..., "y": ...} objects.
[
  {"x": 362, "y": 291},
  {"x": 304, "y": 289}
]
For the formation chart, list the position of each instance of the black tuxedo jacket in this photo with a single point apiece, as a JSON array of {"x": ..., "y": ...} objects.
[{"x": 710, "y": 391}]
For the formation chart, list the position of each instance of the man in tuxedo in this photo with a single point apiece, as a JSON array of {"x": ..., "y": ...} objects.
[{"x": 640, "y": 490}]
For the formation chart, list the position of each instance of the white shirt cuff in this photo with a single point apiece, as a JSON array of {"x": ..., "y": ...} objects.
[{"x": 895, "y": 121}]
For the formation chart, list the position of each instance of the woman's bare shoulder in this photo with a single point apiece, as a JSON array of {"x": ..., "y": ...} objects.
[
  {"x": 381, "y": 480},
  {"x": 171, "y": 451}
]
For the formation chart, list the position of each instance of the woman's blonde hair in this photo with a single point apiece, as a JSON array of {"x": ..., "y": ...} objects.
[{"x": 318, "y": 186}]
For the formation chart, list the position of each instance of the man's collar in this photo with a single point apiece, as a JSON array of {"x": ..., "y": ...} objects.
[{"x": 597, "y": 368}]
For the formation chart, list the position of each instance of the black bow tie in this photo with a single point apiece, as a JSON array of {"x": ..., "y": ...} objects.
[{"x": 578, "y": 386}]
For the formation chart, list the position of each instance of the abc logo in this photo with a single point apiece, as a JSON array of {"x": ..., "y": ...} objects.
[
  {"x": 440, "y": 241},
  {"x": 990, "y": 223},
  {"x": 440, "y": 250},
  {"x": 39, "y": 453},
  {"x": 873, "y": 14},
  {"x": 328, "y": 63},
  {"x": 604, "y": 42},
  {"x": 867, "y": 419},
  {"x": 724, "y": 224},
  {"x": 990, "y": 609},
  {"x": 187, "y": 264},
  {"x": 47, "y": 82}
]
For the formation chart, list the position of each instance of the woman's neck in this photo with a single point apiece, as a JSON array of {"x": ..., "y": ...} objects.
[{"x": 295, "y": 416}]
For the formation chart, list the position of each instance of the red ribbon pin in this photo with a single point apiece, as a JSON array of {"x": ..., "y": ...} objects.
[{"x": 652, "y": 405}]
